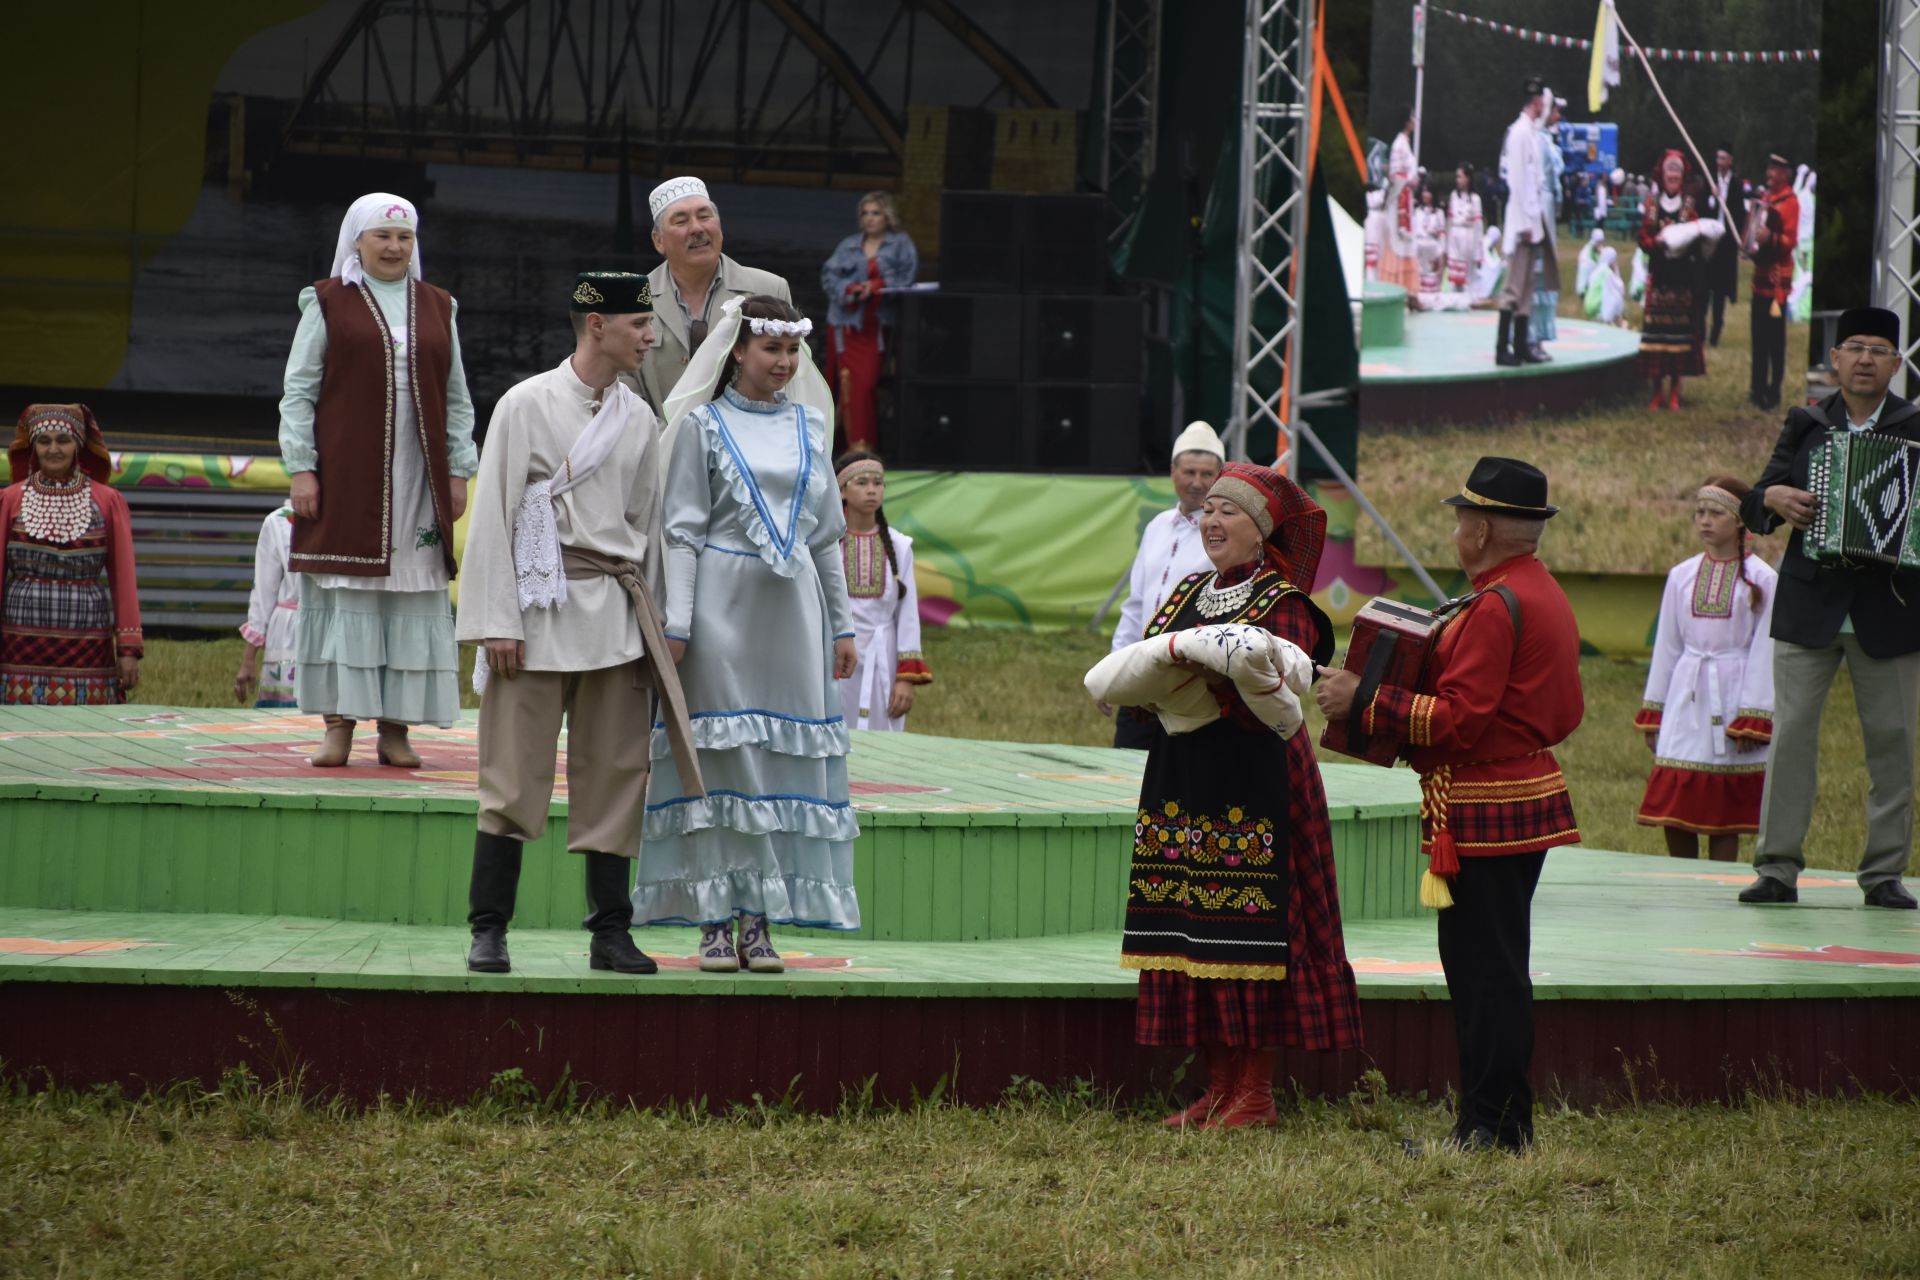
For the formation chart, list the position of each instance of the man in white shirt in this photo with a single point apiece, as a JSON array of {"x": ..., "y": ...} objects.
[
  {"x": 561, "y": 629},
  {"x": 1170, "y": 549},
  {"x": 1525, "y": 230}
]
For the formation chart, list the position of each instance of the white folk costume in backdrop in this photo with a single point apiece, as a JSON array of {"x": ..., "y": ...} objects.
[
  {"x": 1374, "y": 231},
  {"x": 273, "y": 611},
  {"x": 1396, "y": 251},
  {"x": 756, "y": 589},
  {"x": 1430, "y": 249},
  {"x": 886, "y": 628},
  {"x": 380, "y": 645},
  {"x": 1465, "y": 225},
  {"x": 1712, "y": 675}
]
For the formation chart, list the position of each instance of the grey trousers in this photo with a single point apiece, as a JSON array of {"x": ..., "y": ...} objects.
[
  {"x": 1516, "y": 295},
  {"x": 1887, "y": 692}
]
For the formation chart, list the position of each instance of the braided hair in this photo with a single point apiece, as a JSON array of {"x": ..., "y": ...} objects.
[
  {"x": 761, "y": 306},
  {"x": 840, "y": 464},
  {"x": 1739, "y": 489}
]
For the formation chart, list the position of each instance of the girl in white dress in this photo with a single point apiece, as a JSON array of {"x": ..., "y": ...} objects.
[
  {"x": 273, "y": 617},
  {"x": 1708, "y": 713},
  {"x": 758, "y": 621},
  {"x": 886, "y": 606},
  {"x": 1465, "y": 225}
]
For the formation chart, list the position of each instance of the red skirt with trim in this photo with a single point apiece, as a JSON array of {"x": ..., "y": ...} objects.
[
  {"x": 1317, "y": 1006},
  {"x": 1702, "y": 801}
]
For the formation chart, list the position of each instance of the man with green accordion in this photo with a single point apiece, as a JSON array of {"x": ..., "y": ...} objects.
[{"x": 1844, "y": 474}]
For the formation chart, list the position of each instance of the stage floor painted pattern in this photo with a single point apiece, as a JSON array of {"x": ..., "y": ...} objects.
[
  {"x": 1607, "y": 926},
  {"x": 1451, "y": 346}
]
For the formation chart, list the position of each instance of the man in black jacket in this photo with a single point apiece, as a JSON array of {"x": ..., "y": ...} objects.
[{"x": 1866, "y": 613}]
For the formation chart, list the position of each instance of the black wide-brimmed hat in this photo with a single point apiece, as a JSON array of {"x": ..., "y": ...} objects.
[{"x": 1505, "y": 487}]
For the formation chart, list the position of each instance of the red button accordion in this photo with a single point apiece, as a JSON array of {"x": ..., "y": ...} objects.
[{"x": 1391, "y": 644}]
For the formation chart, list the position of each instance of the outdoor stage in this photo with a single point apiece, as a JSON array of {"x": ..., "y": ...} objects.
[
  {"x": 1443, "y": 371},
  {"x": 178, "y": 893}
]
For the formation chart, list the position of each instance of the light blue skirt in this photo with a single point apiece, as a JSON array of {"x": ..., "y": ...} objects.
[{"x": 377, "y": 655}]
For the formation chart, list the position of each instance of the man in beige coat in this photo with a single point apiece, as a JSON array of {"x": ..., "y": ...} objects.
[{"x": 693, "y": 283}]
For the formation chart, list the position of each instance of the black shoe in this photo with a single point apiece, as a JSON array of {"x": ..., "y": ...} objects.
[
  {"x": 490, "y": 899},
  {"x": 1524, "y": 350},
  {"x": 613, "y": 949},
  {"x": 1766, "y": 889},
  {"x": 488, "y": 954},
  {"x": 1891, "y": 893},
  {"x": 1503, "y": 353},
  {"x": 1537, "y": 354}
]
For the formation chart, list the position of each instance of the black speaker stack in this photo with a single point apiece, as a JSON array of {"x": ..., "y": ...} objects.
[{"x": 1021, "y": 361}]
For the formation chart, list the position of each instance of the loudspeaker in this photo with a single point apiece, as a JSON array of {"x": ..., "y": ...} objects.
[
  {"x": 1082, "y": 427},
  {"x": 981, "y": 234},
  {"x": 1082, "y": 340},
  {"x": 961, "y": 426},
  {"x": 959, "y": 335},
  {"x": 1065, "y": 249}
]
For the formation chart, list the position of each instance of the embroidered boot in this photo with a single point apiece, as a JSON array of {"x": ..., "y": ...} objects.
[
  {"x": 1222, "y": 1065},
  {"x": 716, "y": 948},
  {"x": 610, "y": 916},
  {"x": 490, "y": 899},
  {"x": 393, "y": 748},
  {"x": 336, "y": 746},
  {"x": 1252, "y": 1102},
  {"x": 756, "y": 947}
]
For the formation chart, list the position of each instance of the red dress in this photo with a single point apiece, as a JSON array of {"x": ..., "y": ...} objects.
[
  {"x": 854, "y": 358},
  {"x": 1316, "y": 1004}
]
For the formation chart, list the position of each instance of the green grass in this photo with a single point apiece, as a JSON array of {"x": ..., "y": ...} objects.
[
  {"x": 250, "y": 1182},
  {"x": 1623, "y": 477},
  {"x": 1025, "y": 687}
]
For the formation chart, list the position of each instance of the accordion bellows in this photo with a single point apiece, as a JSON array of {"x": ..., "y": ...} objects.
[{"x": 1863, "y": 489}]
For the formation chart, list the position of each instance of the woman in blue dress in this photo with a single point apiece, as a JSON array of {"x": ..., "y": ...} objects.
[{"x": 760, "y": 625}]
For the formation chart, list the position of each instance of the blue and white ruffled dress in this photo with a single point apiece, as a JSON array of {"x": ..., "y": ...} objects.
[{"x": 756, "y": 587}]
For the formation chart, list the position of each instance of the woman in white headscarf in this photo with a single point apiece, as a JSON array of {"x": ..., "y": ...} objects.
[
  {"x": 759, "y": 622},
  {"x": 376, "y": 431}
]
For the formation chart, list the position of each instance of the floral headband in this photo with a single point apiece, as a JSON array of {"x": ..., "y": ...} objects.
[
  {"x": 860, "y": 467},
  {"x": 1719, "y": 497},
  {"x": 780, "y": 328}
]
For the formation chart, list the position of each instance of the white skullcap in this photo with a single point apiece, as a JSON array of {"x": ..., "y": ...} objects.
[
  {"x": 1598, "y": 235},
  {"x": 1199, "y": 438},
  {"x": 674, "y": 189}
]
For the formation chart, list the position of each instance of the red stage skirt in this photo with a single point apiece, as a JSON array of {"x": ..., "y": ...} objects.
[{"x": 1703, "y": 802}]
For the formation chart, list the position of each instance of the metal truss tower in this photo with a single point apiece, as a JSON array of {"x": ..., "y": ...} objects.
[
  {"x": 1276, "y": 77},
  {"x": 1132, "y": 77},
  {"x": 1896, "y": 275}
]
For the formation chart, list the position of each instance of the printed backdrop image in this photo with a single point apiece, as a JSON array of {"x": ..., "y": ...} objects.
[{"x": 1666, "y": 340}]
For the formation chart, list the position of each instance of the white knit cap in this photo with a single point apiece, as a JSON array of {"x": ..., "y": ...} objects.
[
  {"x": 674, "y": 189},
  {"x": 1199, "y": 438}
]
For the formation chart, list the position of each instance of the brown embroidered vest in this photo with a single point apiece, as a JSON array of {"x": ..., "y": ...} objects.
[{"x": 355, "y": 421}]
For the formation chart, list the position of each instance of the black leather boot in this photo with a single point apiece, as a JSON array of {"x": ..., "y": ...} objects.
[
  {"x": 490, "y": 898},
  {"x": 610, "y": 918},
  {"x": 1503, "y": 353},
  {"x": 1524, "y": 351}
]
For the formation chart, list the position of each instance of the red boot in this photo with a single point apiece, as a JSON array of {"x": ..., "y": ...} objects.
[
  {"x": 1223, "y": 1074},
  {"x": 1658, "y": 402},
  {"x": 1673, "y": 398},
  {"x": 1252, "y": 1100}
]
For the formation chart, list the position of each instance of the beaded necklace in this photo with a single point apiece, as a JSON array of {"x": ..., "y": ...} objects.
[{"x": 58, "y": 511}]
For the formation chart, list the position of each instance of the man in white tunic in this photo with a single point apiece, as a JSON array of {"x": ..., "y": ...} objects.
[
  {"x": 692, "y": 285},
  {"x": 562, "y": 605},
  {"x": 1170, "y": 549},
  {"x": 1525, "y": 230}
]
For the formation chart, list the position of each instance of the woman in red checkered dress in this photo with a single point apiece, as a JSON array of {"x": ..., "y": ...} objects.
[
  {"x": 66, "y": 637},
  {"x": 1233, "y": 918}
]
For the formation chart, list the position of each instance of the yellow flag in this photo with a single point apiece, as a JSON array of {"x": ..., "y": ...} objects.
[{"x": 1604, "y": 70}]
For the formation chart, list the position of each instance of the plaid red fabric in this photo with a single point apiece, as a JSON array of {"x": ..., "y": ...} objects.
[
  {"x": 1299, "y": 525},
  {"x": 1773, "y": 264},
  {"x": 1317, "y": 1007},
  {"x": 1521, "y": 816}
]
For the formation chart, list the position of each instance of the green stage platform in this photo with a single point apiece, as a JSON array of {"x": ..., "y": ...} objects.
[
  {"x": 159, "y": 809},
  {"x": 1442, "y": 369},
  {"x": 1607, "y": 926}
]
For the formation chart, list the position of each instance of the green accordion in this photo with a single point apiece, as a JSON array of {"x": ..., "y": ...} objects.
[{"x": 1863, "y": 488}]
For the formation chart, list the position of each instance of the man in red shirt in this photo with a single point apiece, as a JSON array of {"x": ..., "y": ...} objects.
[
  {"x": 1773, "y": 243},
  {"x": 1500, "y": 692}
]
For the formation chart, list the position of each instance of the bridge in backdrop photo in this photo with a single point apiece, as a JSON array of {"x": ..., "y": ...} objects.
[{"x": 181, "y": 892}]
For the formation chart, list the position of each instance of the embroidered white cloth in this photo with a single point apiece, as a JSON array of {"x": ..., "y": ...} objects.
[
  {"x": 1270, "y": 675},
  {"x": 536, "y": 538}
]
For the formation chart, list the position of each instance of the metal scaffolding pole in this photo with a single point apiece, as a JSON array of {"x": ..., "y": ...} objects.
[
  {"x": 1276, "y": 75},
  {"x": 1132, "y": 77},
  {"x": 1896, "y": 279}
]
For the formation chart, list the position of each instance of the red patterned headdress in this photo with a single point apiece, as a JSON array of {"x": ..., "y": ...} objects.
[
  {"x": 77, "y": 420},
  {"x": 1294, "y": 526}
]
